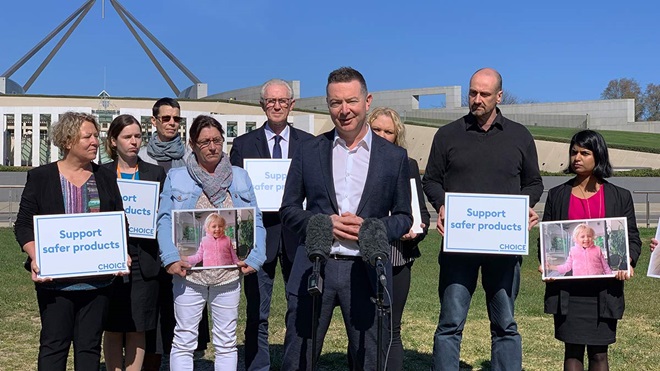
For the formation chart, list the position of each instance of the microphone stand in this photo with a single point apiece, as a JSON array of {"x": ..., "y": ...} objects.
[
  {"x": 381, "y": 310},
  {"x": 315, "y": 289}
]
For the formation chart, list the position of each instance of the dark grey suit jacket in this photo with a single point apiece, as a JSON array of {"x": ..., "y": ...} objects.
[
  {"x": 386, "y": 194},
  {"x": 255, "y": 145}
]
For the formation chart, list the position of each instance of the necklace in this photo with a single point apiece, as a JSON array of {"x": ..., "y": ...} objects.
[{"x": 586, "y": 201}]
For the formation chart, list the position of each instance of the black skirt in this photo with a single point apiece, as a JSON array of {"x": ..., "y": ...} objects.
[
  {"x": 582, "y": 325},
  {"x": 133, "y": 303}
]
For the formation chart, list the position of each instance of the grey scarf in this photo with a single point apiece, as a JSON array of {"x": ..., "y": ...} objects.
[
  {"x": 167, "y": 151},
  {"x": 214, "y": 185}
]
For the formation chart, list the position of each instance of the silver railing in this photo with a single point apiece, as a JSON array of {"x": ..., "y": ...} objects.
[
  {"x": 648, "y": 204},
  {"x": 10, "y": 198}
]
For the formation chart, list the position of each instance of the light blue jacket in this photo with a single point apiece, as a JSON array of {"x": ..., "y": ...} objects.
[{"x": 182, "y": 192}]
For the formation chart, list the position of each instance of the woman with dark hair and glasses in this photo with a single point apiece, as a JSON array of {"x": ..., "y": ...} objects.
[
  {"x": 208, "y": 181},
  {"x": 134, "y": 299},
  {"x": 586, "y": 311}
]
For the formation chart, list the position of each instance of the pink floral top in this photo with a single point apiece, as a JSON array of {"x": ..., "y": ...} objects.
[
  {"x": 585, "y": 262},
  {"x": 214, "y": 252}
]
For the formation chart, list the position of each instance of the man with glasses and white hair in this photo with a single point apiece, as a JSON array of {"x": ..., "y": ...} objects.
[{"x": 276, "y": 138}]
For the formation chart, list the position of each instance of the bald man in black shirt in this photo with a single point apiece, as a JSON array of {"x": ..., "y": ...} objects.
[{"x": 482, "y": 152}]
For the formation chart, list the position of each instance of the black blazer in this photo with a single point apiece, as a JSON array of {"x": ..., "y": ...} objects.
[
  {"x": 386, "y": 194},
  {"x": 410, "y": 248},
  {"x": 255, "y": 145},
  {"x": 618, "y": 203},
  {"x": 145, "y": 249},
  {"x": 42, "y": 195}
]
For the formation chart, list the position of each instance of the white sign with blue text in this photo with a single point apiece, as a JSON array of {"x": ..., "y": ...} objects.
[
  {"x": 140, "y": 198},
  {"x": 75, "y": 245},
  {"x": 486, "y": 223},
  {"x": 268, "y": 178}
]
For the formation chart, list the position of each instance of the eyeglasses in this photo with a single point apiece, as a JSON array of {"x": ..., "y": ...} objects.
[
  {"x": 205, "y": 143},
  {"x": 167, "y": 118},
  {"x": 270, "y": 102}
]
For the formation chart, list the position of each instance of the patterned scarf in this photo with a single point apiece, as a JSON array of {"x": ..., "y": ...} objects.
[
  {"x": 167, "y": 151},
  {"x": 214, "y": 185}
]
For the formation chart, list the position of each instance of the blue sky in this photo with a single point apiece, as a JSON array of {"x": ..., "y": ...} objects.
[{"x": 547, "y": 52}]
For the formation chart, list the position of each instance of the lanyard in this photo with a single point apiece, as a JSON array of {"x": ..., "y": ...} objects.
[{"x": 119, "y": 172}]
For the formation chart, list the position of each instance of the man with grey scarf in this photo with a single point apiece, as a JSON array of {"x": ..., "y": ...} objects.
[{"x": 165, "y": 148}]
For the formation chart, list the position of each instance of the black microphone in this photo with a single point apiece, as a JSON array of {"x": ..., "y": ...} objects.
[
  {"x": 318, "y": 242},
  {"x": 374, "y": 245}
]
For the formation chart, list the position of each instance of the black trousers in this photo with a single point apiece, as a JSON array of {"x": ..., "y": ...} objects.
[
  {"x": 71, "y": 316},
  {"x": 258, "y": 293},
  {"x": 347, "y": 284},
  {"x": 401, "y": 287}
]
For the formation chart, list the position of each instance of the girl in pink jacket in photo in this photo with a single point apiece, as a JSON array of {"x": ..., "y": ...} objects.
[
  {"x": 585, "y": 258},
  {"x": 215, "y": 249}
]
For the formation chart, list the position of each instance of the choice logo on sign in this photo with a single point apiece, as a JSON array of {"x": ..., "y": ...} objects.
[
  {"x": 73, "y": 251},
  {"x": 486, "y": 223},
  {"x": 140, "y": 200}
]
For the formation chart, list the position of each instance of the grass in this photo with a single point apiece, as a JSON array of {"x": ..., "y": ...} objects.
[
  {"x": 643, "y": 142},
  {"x": 627, "y": 140},
  {"x": 638, "y": 332}
]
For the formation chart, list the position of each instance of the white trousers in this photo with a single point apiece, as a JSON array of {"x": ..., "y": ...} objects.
[{"x": 189, "y": 301}]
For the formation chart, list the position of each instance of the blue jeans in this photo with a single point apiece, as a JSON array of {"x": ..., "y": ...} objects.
[{"x": 458, "y": 280}]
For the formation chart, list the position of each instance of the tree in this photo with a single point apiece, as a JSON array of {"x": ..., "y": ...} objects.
[
  {"x": 651, "y": 102},
  {"x": 625, "y": 88}
]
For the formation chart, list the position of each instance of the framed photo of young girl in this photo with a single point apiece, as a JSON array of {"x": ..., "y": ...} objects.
[
  {"x": 590, "y": 248},
  {"x": 214, "y": 238}
]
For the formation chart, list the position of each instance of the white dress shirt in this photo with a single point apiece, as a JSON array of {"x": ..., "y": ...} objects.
[
  {"x": 284, "y": 142},
  {"x": 349, "y": 173}
]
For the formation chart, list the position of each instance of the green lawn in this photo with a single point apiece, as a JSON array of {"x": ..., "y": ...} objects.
[
  {"x": 638, "y": 336},
  {"x": 643, "y": 142}
]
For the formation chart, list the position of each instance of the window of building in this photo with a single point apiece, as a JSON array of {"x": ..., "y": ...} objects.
[{"x": 232, "y": 129}]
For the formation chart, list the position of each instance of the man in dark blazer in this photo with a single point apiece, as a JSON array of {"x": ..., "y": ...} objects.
[
  {"x": 277, "y": 138},
  {"x": 348, "y": 174}
]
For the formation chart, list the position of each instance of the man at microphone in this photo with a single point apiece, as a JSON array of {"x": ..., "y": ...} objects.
[{"x": 349, "y": 175}]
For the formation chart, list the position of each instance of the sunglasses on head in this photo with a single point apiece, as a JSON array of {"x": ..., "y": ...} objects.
[{"x": 167, "y": 118}]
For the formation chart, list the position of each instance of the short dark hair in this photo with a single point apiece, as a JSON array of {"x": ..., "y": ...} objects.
[
  {"x": 347, "y": 74},
  {"x": 164, "y": 102},
  {"x": 200, "y": 122},
  {"x": 594, "y": 142},
  {"x": 116, "y": 126}
]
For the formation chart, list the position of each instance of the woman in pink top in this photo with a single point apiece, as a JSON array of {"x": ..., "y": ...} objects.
[
  {"x": 586, "y": 311},
  {"x": 215, "y": 248},
  {"x": 585, "y": 258}
]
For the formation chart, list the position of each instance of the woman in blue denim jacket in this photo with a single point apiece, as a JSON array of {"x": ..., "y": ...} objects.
[{"x": 207, "y": 182}]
